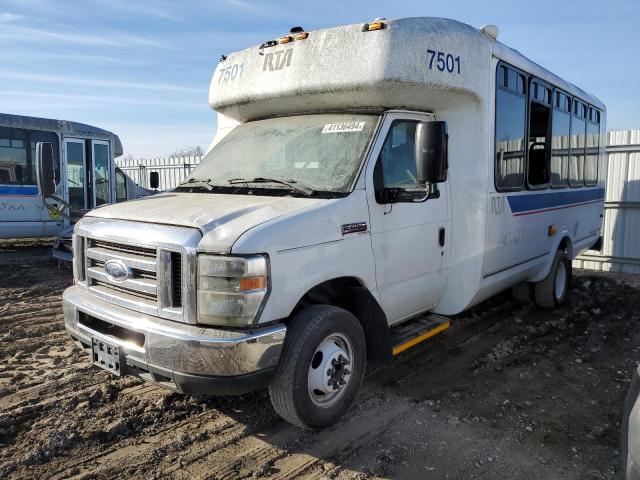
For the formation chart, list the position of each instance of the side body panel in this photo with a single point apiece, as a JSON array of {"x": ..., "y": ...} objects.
[{"x": 307, "y": 248}]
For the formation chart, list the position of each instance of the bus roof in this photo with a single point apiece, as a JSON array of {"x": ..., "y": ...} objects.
[
  {"x": 64, "y": 127},
  {"x": 350, "y": 67}
]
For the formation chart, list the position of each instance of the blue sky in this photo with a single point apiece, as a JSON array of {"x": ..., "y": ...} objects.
[{"x": 142, "y": 68}]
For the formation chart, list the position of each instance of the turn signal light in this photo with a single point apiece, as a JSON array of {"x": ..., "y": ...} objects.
[
  {"x": 252, "y": 283},
  {"x": 552, "y": 230},
  {"x": 369, "y": 27}
]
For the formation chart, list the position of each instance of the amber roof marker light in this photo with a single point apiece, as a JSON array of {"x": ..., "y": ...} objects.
[{"x": 377, "y": 24}]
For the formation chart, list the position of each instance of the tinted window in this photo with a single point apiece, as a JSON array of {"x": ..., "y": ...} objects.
[
  {"x": 510, "y": 138},
  {"x": 101, "y": 168},
  {"x": 591, "y": 158},
  {"x": 562, "y": 102},
  {"x": 560, "y": 148},
  {"x": 576, "y": 162},
  {"x": 539, "y": 144},
  {"x": 16, "y": 164}
]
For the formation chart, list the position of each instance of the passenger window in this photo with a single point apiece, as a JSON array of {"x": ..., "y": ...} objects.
[
  {"x": 510, "y": 135},
  {"x": 576, "y": 162},
  {"x": 591, "y": 158},
  {"x": 396, "y": 164},
  {"x": 539, "y": 136},
  {"x": 560, "y": 149},
  {"x": 16, "y": 166}
]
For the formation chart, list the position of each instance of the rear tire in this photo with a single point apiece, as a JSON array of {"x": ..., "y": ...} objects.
[
  {"x": 552, "y": 291},
  {"x": 523, "y": 293},
  {"x": 320, "y": 339}
]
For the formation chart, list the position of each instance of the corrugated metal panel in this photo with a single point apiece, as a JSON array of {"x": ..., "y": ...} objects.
[
  {"x": 621, "y": 226},
  {"x": 172, "y": 170}
]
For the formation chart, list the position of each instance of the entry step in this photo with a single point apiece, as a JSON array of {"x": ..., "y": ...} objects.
[{"x": 413, "y": 332}]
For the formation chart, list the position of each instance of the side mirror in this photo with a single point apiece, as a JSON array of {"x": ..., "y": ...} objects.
[
  {"x": 431, "y": 154},
  {"x": 154, "y": 180},
  {"x": 46, "y": 157}
]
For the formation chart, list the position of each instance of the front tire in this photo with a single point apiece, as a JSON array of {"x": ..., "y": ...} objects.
[
  {"x": 321, "y": 367},
  {"x": 552, "y": 291}
]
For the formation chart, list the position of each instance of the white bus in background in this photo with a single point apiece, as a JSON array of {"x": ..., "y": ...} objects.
[
  {"x": 81, "y": 175},
  {"x": 366, "y": 182}
]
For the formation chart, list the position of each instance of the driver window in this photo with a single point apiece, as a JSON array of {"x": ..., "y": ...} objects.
[{"x": 396, "y": 163}]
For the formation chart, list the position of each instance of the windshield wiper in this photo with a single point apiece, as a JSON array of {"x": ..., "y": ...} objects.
[
  {"x": 292, "y": 184},
  {"x": 195, "y": 183}
]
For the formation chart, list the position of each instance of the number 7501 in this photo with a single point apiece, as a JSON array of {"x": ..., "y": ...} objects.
[{"x": 444, "y": 61}]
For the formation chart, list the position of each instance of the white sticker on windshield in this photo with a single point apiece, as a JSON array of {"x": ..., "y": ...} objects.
[{"x": 343, "y": 127}]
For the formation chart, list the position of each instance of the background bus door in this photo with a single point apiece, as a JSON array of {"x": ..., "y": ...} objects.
[
  {"x": 101, "y": 174},
  {"x": 89, "y": 172},
  {"x": 76, "y": 162}
]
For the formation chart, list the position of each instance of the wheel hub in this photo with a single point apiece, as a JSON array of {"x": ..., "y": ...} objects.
[{"x": 330, "y": 370}]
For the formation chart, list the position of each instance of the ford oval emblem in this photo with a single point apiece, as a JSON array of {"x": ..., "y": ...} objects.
[{"x": 116, "y": 270}]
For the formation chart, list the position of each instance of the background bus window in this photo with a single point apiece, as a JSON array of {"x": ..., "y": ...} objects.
[
  {"x": 101, "y": 172},
  {"x": 591, "y": 159},
  {"x": 16, "y": 167},
  {"x": 510, "y": 131},
  {"x": 121, "y": 186},
  {"x": 576, "y": 162},
  {"x": 560, "y": 149}
]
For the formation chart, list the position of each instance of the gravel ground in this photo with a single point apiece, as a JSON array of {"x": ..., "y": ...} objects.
[{"x": 508, "y": 392}]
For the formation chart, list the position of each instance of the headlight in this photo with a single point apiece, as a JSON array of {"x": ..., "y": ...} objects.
[{"x": 230, "y": 289}]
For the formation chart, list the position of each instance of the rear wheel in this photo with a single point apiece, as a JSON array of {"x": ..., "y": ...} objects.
[
  {"x": 321, "y": 367},
  {"x": 552, "y": 291}
]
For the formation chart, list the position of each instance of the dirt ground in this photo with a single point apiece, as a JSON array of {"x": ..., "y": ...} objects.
[{"x": 509, "y": 392}]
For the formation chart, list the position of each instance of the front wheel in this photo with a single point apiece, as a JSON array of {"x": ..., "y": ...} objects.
[
  {"x": 551, "y": 292},
  {"x": 321, "y": 367}
]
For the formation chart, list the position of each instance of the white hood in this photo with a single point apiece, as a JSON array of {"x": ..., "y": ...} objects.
[{"x": 221, "y": 218}]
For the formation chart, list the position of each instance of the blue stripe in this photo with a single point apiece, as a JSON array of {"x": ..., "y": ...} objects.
[
  {"x": 18, "y": 190},
  {"x": 553, "y": 199}
]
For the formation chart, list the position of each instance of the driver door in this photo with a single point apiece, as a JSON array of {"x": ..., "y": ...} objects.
[{"x": 409, "y": 237}]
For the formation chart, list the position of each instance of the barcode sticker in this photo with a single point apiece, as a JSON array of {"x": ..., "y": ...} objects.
[{"x": 343, "y": 127}]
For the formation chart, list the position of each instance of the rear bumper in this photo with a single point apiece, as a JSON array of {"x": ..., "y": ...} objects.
[{"x": 188, "y": 358}]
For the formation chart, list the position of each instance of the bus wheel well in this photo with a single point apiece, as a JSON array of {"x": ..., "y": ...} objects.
[
  {"x": 566, "y": 246},
  {"x": 349, "y": 293}
]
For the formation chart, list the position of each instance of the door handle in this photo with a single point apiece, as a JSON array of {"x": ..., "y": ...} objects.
[{"x": 441, "y": 235}]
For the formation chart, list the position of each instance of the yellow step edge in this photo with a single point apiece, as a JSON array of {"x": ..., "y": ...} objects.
[{"x": 420, "y": 338}]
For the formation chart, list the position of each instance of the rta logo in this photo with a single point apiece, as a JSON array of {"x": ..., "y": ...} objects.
[{"x": 277, "y": 60}]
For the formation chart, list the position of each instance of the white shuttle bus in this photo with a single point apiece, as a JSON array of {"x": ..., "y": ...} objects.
[
  {"x": 366, "y": 182},
  {"x": 80, "y": 174}
]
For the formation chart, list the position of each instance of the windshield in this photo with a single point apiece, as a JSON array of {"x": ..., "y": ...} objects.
[{"x": 306, "y": 152}]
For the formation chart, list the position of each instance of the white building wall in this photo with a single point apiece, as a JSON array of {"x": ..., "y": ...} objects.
[{"x": 621, "y": 226}]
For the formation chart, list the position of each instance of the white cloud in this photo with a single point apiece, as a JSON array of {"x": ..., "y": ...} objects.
[
  {"x": 111, "y": 39},
  {"x": 87, "y": 101},
  {"x": 9, "y": 17},
  {"x": 90, "y": 82},
  {"x": 143, "y": 9}
]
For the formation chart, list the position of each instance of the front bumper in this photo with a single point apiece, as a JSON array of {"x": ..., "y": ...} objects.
[{"x": 189, "y": 358}]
